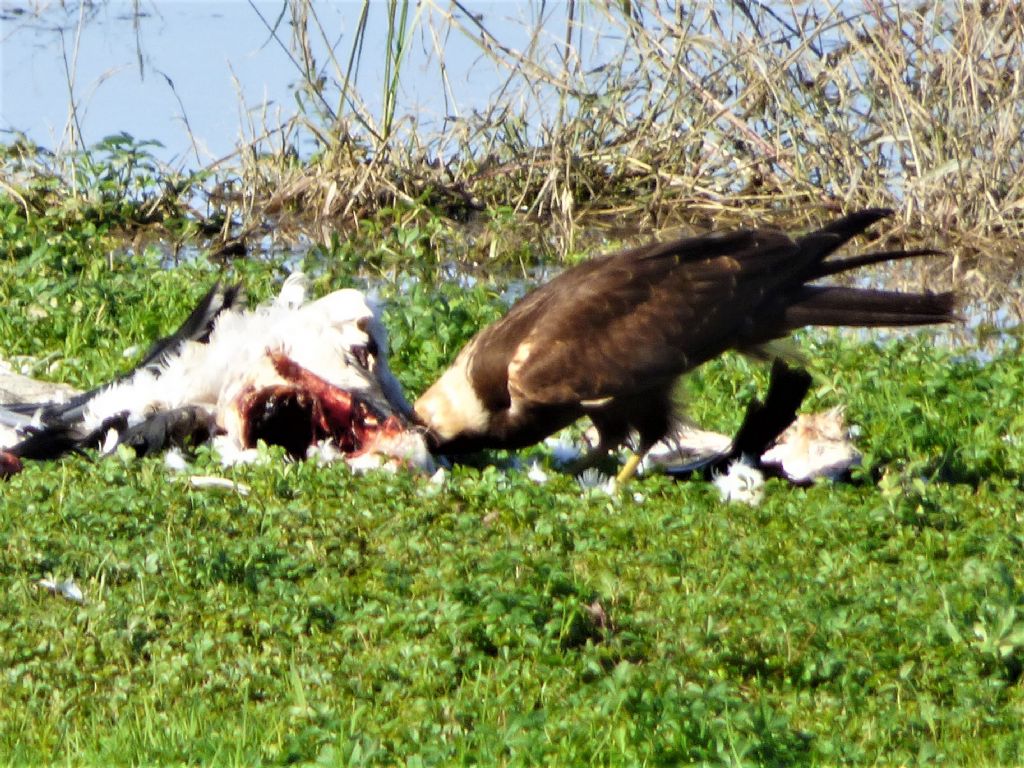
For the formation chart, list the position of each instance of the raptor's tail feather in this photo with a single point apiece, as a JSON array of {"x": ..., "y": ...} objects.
[{"x": 866, "y": 307}]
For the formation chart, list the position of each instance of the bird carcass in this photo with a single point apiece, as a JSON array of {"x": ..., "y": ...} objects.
[{"x": 311, "y": 377}]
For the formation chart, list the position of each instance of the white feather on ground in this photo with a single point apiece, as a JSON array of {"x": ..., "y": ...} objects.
[{"x": 742, "y": 483}]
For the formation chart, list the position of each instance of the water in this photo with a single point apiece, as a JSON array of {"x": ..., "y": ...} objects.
[
  {"x": 131, "y": 75},
  {"x": 204, "y": 77},
  {"x": 201, "y": 77}
]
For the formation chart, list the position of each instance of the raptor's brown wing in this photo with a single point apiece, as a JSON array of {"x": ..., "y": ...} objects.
[{"x": 620, "y": 324}]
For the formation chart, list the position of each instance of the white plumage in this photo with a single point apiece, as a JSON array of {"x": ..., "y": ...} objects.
[
  {"x": 323, "y": 364},
  {"x": 319, "y": 336}
]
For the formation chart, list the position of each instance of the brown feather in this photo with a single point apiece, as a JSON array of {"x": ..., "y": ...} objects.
[{"x": 609, "y": 337}]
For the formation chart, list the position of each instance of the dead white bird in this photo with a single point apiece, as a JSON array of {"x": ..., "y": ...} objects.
[
  {"x": 815, "y": 445},
  {"x": 290, "y": 373},
  {"x": 772, "y": 439}
]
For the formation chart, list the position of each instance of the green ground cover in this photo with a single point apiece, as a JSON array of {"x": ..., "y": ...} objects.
[{"x": 374, "y": 620}]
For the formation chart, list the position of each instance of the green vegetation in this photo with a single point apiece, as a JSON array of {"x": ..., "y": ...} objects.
[
  {"x": 380, "y": 619},
  {"x": 326, "y": 618}
]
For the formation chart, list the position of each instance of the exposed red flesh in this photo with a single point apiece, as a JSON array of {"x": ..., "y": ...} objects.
[
  {"x": 309, "y": 409},
  {"x": 9, "y": 464}
]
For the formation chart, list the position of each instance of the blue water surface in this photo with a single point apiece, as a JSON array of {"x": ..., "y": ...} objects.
[{"x": 203, "y": 78}]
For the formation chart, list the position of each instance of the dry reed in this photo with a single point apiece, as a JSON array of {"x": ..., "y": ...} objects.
[{"x": 609, "y": 120}]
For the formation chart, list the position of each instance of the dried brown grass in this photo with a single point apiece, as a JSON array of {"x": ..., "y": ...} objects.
[
  {"x": 613, "y": 120},
  {"x": 778, "y": 115}
]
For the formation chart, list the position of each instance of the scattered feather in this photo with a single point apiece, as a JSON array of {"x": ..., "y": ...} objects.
[
  {"x": 174, "y": 460},
  {"x": 537, "y": 474},
  {"x": 598, "y": 615},
  {"x": 65, "y": 588},
  {"x": 593, "y": 480},
  {"x": 436, "y": 482},
  {"x": 324, "y": 452},
  {"x": 684, "y": 445},
  {"x": 741, "y": 482},
  {"x": 232, "y": 454},
  {"x": 366, "y": 462}
]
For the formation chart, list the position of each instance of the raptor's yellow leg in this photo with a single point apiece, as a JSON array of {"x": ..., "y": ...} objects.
[{"x": 629, "y": 468}]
